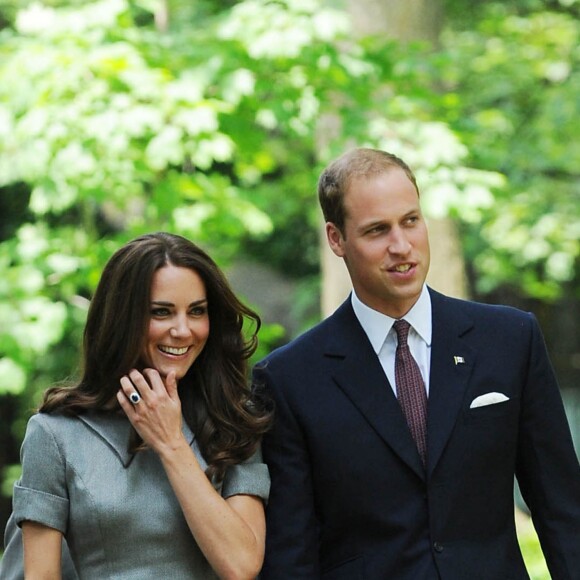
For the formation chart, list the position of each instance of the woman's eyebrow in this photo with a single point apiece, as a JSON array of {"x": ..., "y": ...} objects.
[{"x": 165, "y": 303}]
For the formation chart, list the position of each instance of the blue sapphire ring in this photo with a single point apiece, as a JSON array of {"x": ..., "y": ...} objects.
[{"x": 134, "y": 398}]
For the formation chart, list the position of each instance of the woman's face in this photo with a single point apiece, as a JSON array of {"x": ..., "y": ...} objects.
[{"x": 178, "y": 320}]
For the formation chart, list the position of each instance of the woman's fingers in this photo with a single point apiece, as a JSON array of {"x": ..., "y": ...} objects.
[
  {"x": 133, "y": 388},
  {"x": 156, "y": 411},
  {"x": 151, "y": 378},
  {"x": 139, "y": 385},
  {"x": 171, "y": 385},
  {"x": 148, "y": 388}
]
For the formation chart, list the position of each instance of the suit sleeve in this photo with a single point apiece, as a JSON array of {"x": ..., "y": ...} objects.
[
  {"x": 547, "y": 470},
  {"x": 292, "y": 529}
]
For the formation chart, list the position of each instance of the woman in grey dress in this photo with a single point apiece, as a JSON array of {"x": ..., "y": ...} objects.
[{"x": 150, "y": 466}]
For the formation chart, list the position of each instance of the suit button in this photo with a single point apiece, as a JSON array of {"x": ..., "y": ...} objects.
[{"x": 438, "y": 547}]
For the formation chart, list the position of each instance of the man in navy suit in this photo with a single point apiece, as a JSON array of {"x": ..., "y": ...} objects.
[{"x": 354, "y": 493}]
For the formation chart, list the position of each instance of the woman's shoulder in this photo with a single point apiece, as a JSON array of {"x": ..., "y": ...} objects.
[
  {"x": 61, "y": 425},
  {"x": 55, "y": 425},
  {"x": 75, "y": 436},
  {"x": 52, "y": 420}
]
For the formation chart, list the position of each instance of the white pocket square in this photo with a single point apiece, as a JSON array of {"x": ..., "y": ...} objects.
[{"x": 488, "y": 399}]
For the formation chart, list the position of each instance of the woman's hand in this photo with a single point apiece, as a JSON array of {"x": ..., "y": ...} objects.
[{"x": 153, "y": 407}]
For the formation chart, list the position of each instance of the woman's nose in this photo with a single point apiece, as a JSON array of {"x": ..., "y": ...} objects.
[{"x": 180, "y": 327}]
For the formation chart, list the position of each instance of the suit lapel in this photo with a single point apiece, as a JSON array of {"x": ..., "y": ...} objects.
[
  {"x": 359, "y": 374},
  {"x": 452, "y": 362}
]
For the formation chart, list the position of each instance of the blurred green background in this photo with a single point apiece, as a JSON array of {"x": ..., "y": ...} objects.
[{"x": 213, "y": 119}]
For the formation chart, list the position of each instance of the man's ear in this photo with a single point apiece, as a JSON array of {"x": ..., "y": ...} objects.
[{"x": 335, "y": 239}]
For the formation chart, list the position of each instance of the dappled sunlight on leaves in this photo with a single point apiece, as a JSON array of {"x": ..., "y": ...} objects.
[
  {"x": 112, "y": 126},
  {"x": 12, "y": 377}
]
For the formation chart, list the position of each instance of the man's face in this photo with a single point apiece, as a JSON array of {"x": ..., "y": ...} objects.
[{"x": 385, "y": 244}]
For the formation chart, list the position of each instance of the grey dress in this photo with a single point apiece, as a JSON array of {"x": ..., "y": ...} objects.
[{"x": 117, "y": 510}]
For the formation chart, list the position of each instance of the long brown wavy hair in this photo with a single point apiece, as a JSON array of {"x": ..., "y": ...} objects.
[{"x": 227, "y": 417}]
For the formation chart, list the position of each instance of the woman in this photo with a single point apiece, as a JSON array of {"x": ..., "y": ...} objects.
[{"x": 150, "y": 465}]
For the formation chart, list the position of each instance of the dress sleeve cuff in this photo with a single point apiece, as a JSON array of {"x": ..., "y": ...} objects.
[
  {"x": 38, "y": 506},
  {"x": 247, "y": 479}
]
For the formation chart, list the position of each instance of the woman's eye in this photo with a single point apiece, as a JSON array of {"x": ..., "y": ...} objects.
[
  {"x": 159, "y": 312},
  {"x": 198, "y": 310}
]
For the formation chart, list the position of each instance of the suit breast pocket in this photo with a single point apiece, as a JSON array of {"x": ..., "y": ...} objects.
[{"x": 493, "y": 412}]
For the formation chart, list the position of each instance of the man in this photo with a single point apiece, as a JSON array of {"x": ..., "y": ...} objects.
[{"x": 392, "y": 464}]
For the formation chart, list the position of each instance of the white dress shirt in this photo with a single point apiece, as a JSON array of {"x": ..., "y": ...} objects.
[{"x": 383, "y": 338}]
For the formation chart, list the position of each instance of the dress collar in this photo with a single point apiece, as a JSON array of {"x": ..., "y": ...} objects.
[{"x": 116, "y": 430}]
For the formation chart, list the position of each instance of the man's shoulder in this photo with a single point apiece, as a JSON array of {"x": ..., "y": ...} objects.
[
  {"x": 304, "y": 343},
  {"x": 313, "y": 342},
  {"x": 478, "y": 310},
  {"x": 493, "y": 325}
]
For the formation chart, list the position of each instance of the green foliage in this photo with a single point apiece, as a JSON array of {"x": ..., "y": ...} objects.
[
  {"x": 207, "y": 119},
  {"x": 9, "y": 475},
  {"x": 532, "y": 553},
  {"x": 110, "y": 127},
  {"x": 115, "y": 121},
  {"x": 511, "y": 92}
]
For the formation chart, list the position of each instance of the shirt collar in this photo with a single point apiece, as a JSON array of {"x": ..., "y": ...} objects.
[{"x": 377, "y": 325}]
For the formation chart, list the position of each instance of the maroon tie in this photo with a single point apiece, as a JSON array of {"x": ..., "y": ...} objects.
[{"x": 411, "y": 389}]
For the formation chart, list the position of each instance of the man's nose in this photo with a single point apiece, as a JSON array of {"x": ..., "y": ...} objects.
[{"x": 398, "y": 242}]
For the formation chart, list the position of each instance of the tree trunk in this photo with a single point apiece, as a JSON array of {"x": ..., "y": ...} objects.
[{"x": 405, "y": 20}]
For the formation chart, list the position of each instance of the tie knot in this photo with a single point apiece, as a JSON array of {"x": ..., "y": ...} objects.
[{"x": 402, "y": 329}]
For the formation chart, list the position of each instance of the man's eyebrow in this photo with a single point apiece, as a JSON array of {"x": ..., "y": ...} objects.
[
  {"x": 411, "y": 213},
  {"x": 372, "y": 224}
]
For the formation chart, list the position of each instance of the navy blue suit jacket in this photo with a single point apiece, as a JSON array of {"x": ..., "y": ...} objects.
[{"x": 350, "y": 498}]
